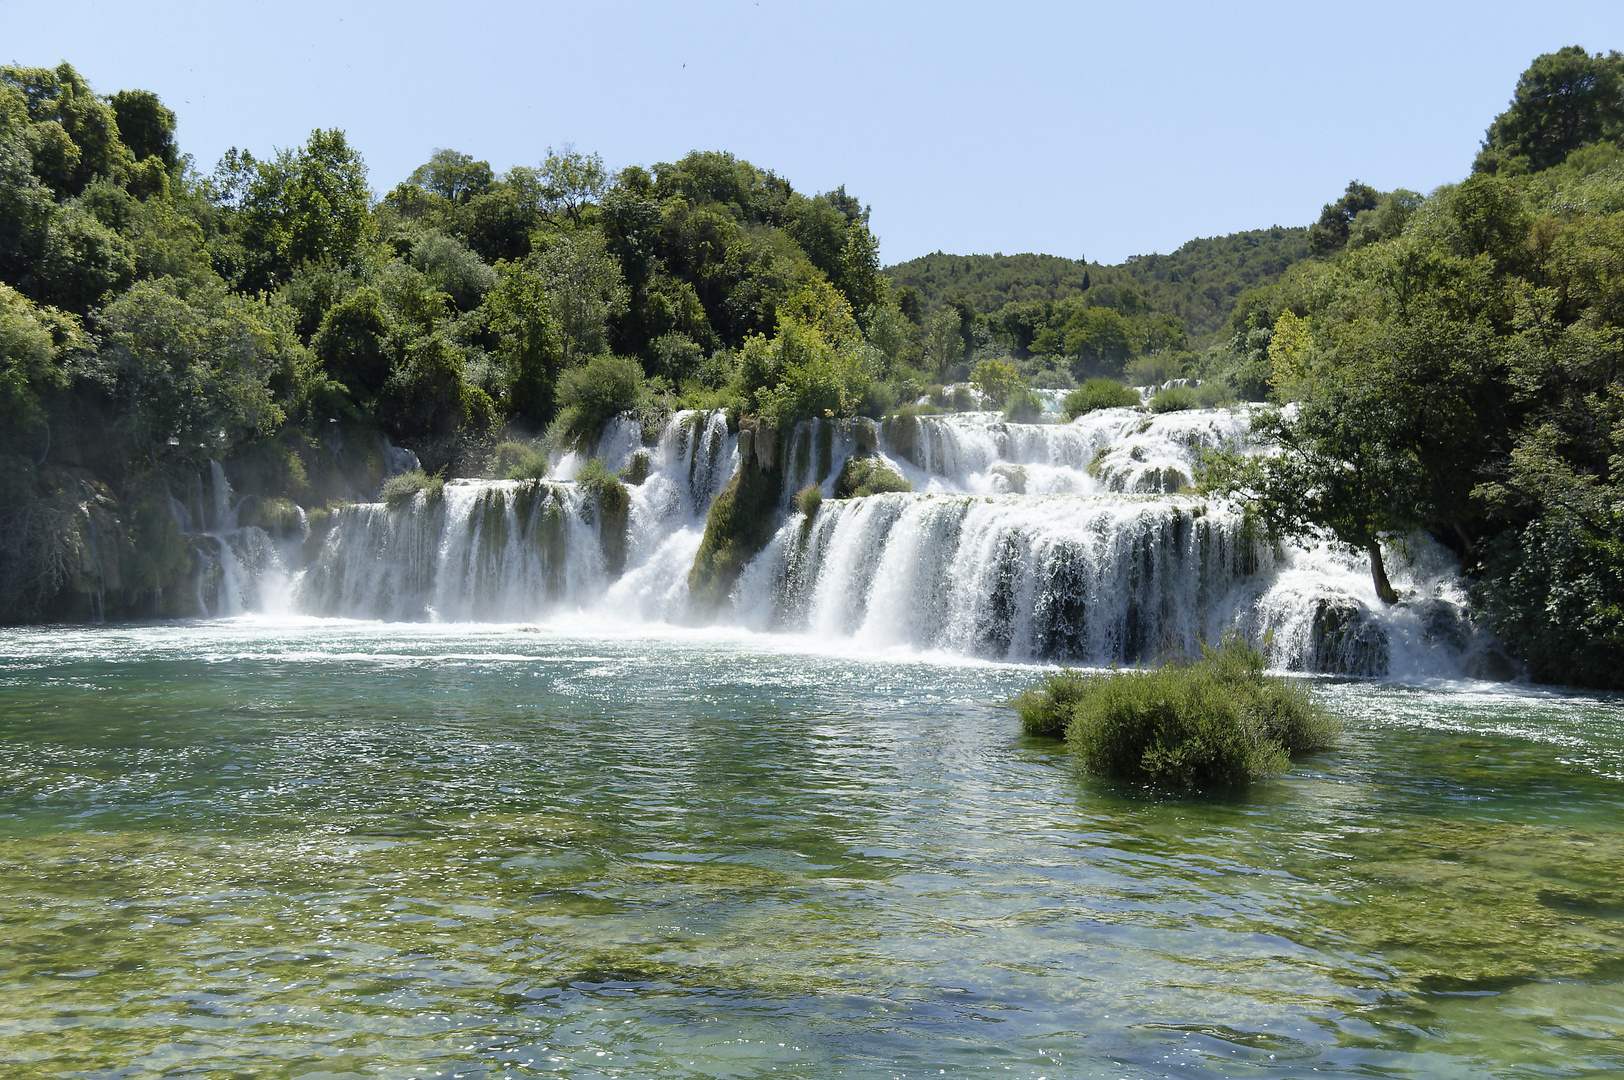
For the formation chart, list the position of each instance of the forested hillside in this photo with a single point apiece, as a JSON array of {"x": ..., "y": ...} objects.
[{"x": 1199, "y": 283}]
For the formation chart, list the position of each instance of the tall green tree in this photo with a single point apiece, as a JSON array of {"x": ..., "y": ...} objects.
[{"x": 1564, "y": 100}]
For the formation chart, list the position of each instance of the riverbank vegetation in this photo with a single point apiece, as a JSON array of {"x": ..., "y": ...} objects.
[
  {"x": 1455, "y": 365},
  {"x": 1204, "y": 724}
]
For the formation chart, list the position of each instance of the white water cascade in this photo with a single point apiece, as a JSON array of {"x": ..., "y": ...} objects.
[{"x": 1077, "y": 542}]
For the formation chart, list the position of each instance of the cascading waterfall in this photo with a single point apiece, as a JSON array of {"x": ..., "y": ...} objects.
[
  {"x": 243, "y": 567},
  {"x": 1077, "y": 542}
]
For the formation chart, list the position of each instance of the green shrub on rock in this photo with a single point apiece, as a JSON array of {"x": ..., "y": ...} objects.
[
  {"x": 399, "y": 490},
  {"x": 1023, "y": 407},
  {"x": 1099, "y": 394},
  {"x": 1212, "y": 723},
  {"x": 808, "y": 500},
  {"x": 591, "y": 395},
  {"x": 519, "y": 461},
  {"x": 862, "y": 476},
  {"x": 1174, "y": 399},
  {"x": 613, "y": 503}
]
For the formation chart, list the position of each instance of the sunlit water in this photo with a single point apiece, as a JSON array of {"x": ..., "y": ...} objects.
[{"x": 362, "y": 850}]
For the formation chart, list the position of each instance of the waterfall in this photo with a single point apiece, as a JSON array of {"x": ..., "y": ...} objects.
[
  {"x": 1077, "y": 542},
  {"x": 1061, "y": 577}
]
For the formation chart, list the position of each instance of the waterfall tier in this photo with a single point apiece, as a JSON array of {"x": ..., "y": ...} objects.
[{"x": 1074, "y": 542}]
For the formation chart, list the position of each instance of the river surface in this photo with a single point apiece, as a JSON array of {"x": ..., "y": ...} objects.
[{"x": 342, "y": 850}]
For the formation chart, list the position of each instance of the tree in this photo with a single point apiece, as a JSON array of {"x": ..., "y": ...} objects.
[
  {"x": 452, "y": 175},
  {"x": 146, "y": 126},
  {"x": 33, "y": 345},
  {"x": 1101, "y": 339},
  {"x": 1389, "y": 440},
  {"x": 76, "y": 132},
  {"x": 566, "y": 185},
  {"x": 192, "y": 371},
  {"x": 353, "y": 343},
  {"x": 530, "y": 352},
  {"x": 1564, "y": 100},
  {"x": 996, "y": 379},
  {"x": 305, "y": 205},
  {"x": 1329, "y": 234},
  {"x": 584, "y": 291}
]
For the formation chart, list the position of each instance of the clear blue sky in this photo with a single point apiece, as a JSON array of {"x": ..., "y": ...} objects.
[{"x": 1097, "y": 130}]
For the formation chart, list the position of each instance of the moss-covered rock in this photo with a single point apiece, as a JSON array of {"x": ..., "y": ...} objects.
[
  {"x": 1345, "y": 640},
  {"x": 867, "y": 475},
  {"x": 612, "y": 505},
  {"x": 741, "y": 521},
  {"x": 637, "y": 469}
]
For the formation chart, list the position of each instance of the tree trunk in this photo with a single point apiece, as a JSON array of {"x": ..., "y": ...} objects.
[{"x": 1378, "y": 574}]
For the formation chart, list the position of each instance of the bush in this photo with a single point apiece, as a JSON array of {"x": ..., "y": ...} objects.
[
  {"x": 1214, "y": 723},
  {"x": 1153, "y": 369},
  {"x": 1215, "y": 395},
  {"x": 1046, "y": 709},
  {"x": 591, "y": 395},
  {"x": 399, "y": 490},
  {"x": 518, "y": 461},
  {"x": 862, "y": 476},
  {"x": 809, "y": 500},
  {"x": 594, "y": 478},
  {"x": 1023, "y": 407},
  {"x": 1174, "y": 399},
  {"x": 997, "y": 380},
  {"x": 1099, "y": 394}
]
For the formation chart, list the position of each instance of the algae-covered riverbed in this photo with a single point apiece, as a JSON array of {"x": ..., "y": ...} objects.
[{"x": 362, "y": 850}]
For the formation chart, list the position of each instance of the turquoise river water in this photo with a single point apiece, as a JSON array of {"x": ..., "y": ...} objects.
[{"x": 329, "y": 849}]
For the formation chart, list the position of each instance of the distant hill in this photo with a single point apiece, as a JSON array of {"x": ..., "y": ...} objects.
[{"x": 1198, "y": 283}]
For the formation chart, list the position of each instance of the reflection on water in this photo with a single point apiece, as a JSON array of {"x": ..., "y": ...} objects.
[{"x": 362, "y": 850}]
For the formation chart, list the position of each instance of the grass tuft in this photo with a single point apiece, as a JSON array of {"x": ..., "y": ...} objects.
[{"x": 808, "y": 500}]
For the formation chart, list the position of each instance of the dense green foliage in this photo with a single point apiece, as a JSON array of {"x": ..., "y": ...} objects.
[
  {"x": 275, "y": 317},
  {"x": 1211, "y": 723},
  {"x": 1453, "y": 360},
  {"x": 1070, "y": 318},
  {"x": 1464, "y": 377},
  {"x": 1099, "y": 394}
]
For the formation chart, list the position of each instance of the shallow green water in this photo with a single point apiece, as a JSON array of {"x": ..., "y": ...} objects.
[{"x": 345, "y": 850}]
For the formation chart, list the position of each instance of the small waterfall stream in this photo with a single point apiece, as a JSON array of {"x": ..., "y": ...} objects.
[{"x": 1076, "y": 542}]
